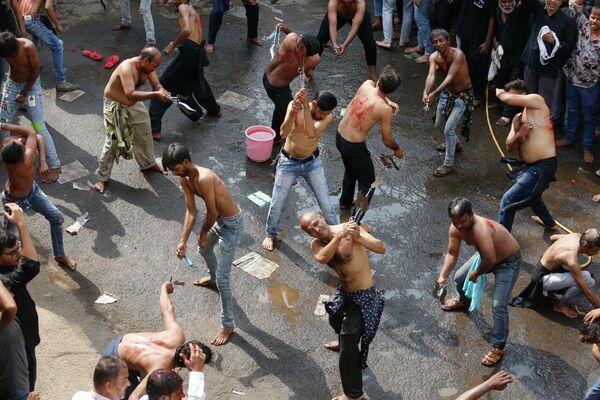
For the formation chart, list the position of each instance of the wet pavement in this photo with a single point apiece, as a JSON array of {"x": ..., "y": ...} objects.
[{"x": 128, "y": 246}]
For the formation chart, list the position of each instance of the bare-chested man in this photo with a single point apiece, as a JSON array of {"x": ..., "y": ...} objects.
[
  {"x": 357, "y": 305},
  {"x": 39, "y": 31},
  {"x": 23, "y": 88},
  {"x": 297, "y": 52},
  {"x": 302, "y": 128},
  {"x": 369, "y": 106},
  {"x": 500, "y": 255},
  {"x": 456, "y": 96},
  {"x": 353, "y": 12},
  {"x": 559, "y": 269},
  {"x": 223, "y": 225},
  {"x": 185, "y": 75},
  {"x": 126, "y": 119},
  {"x": 145, "y": 352},
  {"x": 533, "y": 137},
  {"x": 19, "y": 153}
]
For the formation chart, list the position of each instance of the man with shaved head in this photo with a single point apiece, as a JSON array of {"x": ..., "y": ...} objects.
[
  {"x": 355, "y": 309},
  {"x": 559, "y": 269},
  {"x": 126, "y": 119}
]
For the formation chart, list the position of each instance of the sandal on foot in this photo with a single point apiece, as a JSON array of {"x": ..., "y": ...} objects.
[
  {"x": 493, "y": 357},
  {"x": 442, "y": 148},
  {"x": 454, "y": 305},
  {"x": 443, "y": 171}
]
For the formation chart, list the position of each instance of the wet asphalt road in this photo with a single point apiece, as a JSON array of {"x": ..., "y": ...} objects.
[{"x": 128, "y": 246}]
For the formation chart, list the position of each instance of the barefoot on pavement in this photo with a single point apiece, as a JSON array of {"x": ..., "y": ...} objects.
[
  {"x": 205, "y": 282},
  {"x": 52, "y": 175},
  {"x": 100, "y": 186},
  {"x": 564, "y": 308},
  {"x": 268, "y": 243},
  {"x": 256, "y": 41},
  {"x": 539, "y": 221},
  {"x": 66, "y": 262},
  {"x": 333, "y": 346},
  {"x": 222, "y": 337}
]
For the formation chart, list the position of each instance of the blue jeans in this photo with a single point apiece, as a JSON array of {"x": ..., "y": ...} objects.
[
  {"x": 408, "y": 10},
  {"x": 594, "y": 392},
  {"x": 285, "y": 175},
  {"x": 40, "y": 203},
  {"x": 505, "y": 277},
  {"x": 522, "y": 189},
  {"x": 579, "y": 99},
  {"x": 226, "y": 232},
  {"x": 146, "y": 14},
  {"x": 424, "y": 30},
  {"x": 448, "y": 125},
  {"x": 377, "y": 7},
  {"x": 39, "y": 31},
  {"x": 388, "y": 20},
  {"x": 33, "y": 104}
]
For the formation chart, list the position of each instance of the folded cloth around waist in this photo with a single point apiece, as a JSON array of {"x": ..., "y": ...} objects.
[
  {"x": 117, "y": 121},
  {"x": 301, "y": 160},
  {"x": 468, "y": 97},
  {"x": 371, "y": 302},
  {"x": 534, "y": 292}
]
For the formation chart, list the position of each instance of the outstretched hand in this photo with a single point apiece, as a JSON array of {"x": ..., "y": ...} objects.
[
  {"x": 500, "y": 380},
  {"x": 591, "y": 316}
]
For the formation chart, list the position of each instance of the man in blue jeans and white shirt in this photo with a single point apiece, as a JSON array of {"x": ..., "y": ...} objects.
[
  {"x": 303, "y": 126},
  {"x": 223, "y": 225},
  {"x": 22, "y": 87},
  {"x": 39, "y": 31},
  {"x": 500, "y": 255}
]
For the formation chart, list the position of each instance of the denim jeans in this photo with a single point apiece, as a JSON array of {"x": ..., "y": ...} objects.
[
  {"x": 287, "y": 172},
  {"x": 388, "y": 20},
  {"x": 505, "y": 277},
  {"x": 448, "y": 125},
  {"x": 594, "y": 392},
  {"x": 226, "y": 232},
  {"x": 39, "y": 31},
  {"x": 565, "y": 280},
  {"x": 408, "y": 10},
  {"x": 378, "y": 7},
  {"x": 424, "y": 29},
  {"x": 40, "y": 203},
  {"x": 33, "y": 104},
  {"x": 579, "y": 99},
  {"x": 146, "y": 13},
  {"x": 523, "y": 188}
]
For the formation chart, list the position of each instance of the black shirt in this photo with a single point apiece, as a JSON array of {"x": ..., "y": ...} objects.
[
  {"x": 512, "y": 34},
  {"x": 473, "y": 21},
  {"x": 8, "y": 21},
  {"x": 16, "y": 279}
]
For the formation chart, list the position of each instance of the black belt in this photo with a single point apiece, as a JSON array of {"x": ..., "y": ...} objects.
[{"x": 301, "y": 160}]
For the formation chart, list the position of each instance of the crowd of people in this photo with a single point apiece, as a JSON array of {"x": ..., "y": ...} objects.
[{"x": 542, "y": 58}]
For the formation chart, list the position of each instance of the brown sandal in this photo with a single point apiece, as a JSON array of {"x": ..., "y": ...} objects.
[
  {"x": 443, "y": 170},
  {"x": 493, "y": 357},
  {"x": 454, "y": 305}
]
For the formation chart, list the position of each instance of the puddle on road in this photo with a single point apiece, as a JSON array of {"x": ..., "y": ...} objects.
[
  {"x": 282, "y": 298},
  {"x": 521, "y": 370}
]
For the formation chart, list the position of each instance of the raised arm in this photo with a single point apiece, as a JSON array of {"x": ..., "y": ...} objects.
[
  {"x": 530, "y": 101},
  {"x": 367, "y": 240},
  {"x": 324, "y": 253},
  {"x": 191, "y": 213},
  {"x": 167, "y": 309},
  {"x": 290, "y": 117}
]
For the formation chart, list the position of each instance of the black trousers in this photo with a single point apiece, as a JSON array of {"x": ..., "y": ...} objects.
[
  {"x": 357, "y": 167},
  {"x": 478, "y": 64},
  {"x": 216, "y": 18},
  {"x": 347, "y": 324},
  {"x": 365, "y": 34},
  {"x": 185, "y": 76},
  {"x": 281, "y": 97},
  {"x": 31, "y": 365}
]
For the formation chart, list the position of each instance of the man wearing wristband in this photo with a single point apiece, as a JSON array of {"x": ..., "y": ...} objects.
[
  {"x": 302, "y": 128},
  {"x": 23, "y": 87}
]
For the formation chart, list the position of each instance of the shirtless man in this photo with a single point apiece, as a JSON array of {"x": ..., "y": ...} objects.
[
  {"x": 145, "y": 352},
  {"x": 356, "y": 307},
  {"x": 23, "y": 88},
  {"x": 19, "y": 153},
  {"x": 131, "y": 136},
  {"x": 38, "y": 31},
  {"x": 296, "y": 52},
  {"x": 300, "y": 157},
  {"x": 456, "y": 96},
  {"x": 185, "y": 74},
  {"x": 500, "y": 255},
  {"x": 532, "y": 136},
  {"x": 369, "y": 106},
  {"x": 559, "y": 269},
  {"x": 223, "y": 225},
  {"x": 353, "y": 12}
]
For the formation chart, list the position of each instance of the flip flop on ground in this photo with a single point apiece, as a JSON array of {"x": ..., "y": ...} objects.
[
  {"x": 92, "y": 54},
  {"x": 112, "y": 61}
]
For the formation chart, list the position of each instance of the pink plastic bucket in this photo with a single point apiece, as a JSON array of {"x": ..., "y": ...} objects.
[{"x": 259, "y": 142}]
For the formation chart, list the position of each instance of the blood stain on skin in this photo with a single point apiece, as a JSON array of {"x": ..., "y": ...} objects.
[
  {"x": 489, "y": 224},
  {"x": 359, "y": 110}
]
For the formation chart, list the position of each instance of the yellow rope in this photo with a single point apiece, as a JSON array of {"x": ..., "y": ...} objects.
[{"x": 493, "y": 135}]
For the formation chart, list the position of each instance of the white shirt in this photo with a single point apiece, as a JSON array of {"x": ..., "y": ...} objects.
[
  {"x": 88, "y": 396},
  {"x": 195, "y": 388}
]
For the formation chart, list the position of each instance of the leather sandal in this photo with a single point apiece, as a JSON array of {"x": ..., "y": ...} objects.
[
  {"x": 442, "y": 148},
  {"x": 493, "y": 357},
  {"x": 454, "y": 305},
  {"x": 443, "y": 170}
]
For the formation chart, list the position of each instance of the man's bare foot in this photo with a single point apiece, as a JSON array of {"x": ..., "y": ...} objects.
[
  {"x": 156, "y": 168},
  {"x": 424, "y": 59},
  {"x": 52, "y": 175},
  {"x": 205, "y": 282},
  {"x": 539, "y": 221},
  {"x": 333, "y": 346},
  {"x": 383, "y": 44},
  {"x": 588, "y": 156},
  {"x": 503, "y": 121},
  {"x": 596, "y": 198},
  {"x": 209, "y": 48},
  {"x": 256, "y": 41},
  {"x": 564, "y": 308},
  {"x": 268, "y": 243},
  {"x": 100, "y": 186},
  {"x": 66, "y": 262},
  {"x": 156, "y": 136},
  {"x": 222, "y": 337},
  {"x": 563, "y": 143},
  {"x": 411, "y": 50}
]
